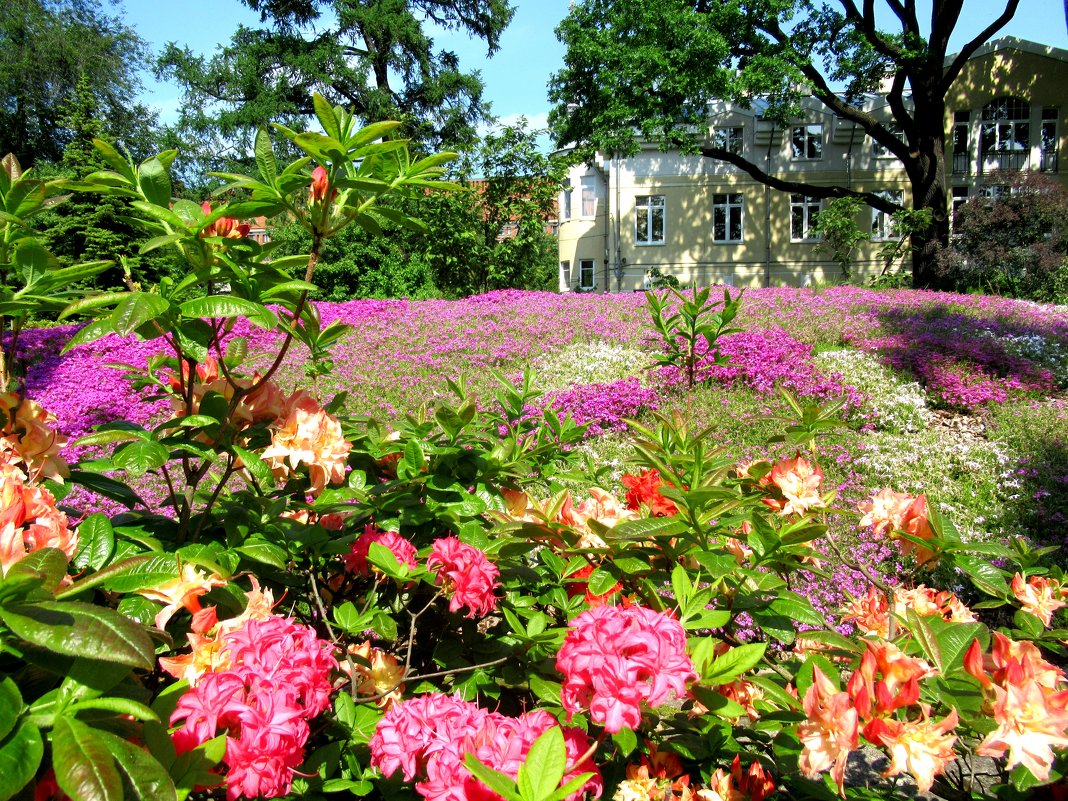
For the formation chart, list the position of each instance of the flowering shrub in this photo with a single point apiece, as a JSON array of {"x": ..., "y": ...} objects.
[{"x": 431, "y": 604}]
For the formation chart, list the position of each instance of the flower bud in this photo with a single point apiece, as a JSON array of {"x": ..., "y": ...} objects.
[{"x": 320, "y": 185}]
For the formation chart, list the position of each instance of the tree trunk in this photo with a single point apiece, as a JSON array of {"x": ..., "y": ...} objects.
[{"x": 926, "y": 169}]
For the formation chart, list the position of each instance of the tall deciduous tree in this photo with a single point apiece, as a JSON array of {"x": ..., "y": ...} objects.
[
  {"x": 373, "y": 56},
  {"x": 650, "y": 69},
  {"x": 46, "y": 46}
]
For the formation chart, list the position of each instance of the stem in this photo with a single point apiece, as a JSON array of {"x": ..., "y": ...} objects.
[{"x": 330, "y": 630}]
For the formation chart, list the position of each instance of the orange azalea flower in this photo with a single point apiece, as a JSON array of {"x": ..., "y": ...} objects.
[
  {"x": 28, "y": 433},
  {"x": 928, "y": 602},
  {"x": 870, "y": 613},
  {"x": 922, "y": 747},
  {"x": 29, "y": 519},
  {"x": 735, "y": 785},
  {"x": 1039, "y": 596},
  {"x": 644, "y": 489},
  {"x": 184, "y": 591},
  {"x": 379, "y": 674},
  {"x": 886, "y": 510},
  {"x": 226, "y": 227},
  {"x": 308, "y": 435},
  {"x": 799, "y": 482},
  {"x": 320, "y": 186},
  {"x": 830, "y": 732},
  {"x": 1031, "y": 720}
]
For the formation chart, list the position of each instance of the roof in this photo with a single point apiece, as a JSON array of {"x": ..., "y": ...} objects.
[{"x": 1013, "y": 43}]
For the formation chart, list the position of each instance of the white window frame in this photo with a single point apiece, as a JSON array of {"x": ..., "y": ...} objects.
[
  {"x": 881, "y": 151},
  {"x": 565, "y": 275},
  {"x": 810, "y": 134},
  {"x": 587, "y": 196},
  {"x": 882, "y": 224},
  {"x": 1048, "y": 133},
  {"x": 1005, "y": 129},
  {"x": 958, "y": 197},
  {"x": 728, "y": 138},
  {"x": 585, "y": 264},
  {"x": 723, "y": 204},
  {"x": 810, "y": 208},
  {"x": 565, "y": 204},
  {"x": 646, "y": 207}
]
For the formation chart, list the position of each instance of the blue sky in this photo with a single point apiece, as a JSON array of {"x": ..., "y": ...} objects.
[{"x": 517, "y": 76}]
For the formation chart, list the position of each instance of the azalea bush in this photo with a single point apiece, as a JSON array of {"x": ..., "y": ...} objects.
[{"x": 450, "y": 605}]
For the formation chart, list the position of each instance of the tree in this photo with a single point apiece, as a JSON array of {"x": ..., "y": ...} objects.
[
  {"x": 46, "y": 46},
  {"x": 372, "y": 56},
  {"x": 649, "y": 70},
  {"x": 491, "y": 234}
]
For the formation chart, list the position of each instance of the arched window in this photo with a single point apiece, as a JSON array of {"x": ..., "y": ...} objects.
[{"x": 1005, "y": 134}]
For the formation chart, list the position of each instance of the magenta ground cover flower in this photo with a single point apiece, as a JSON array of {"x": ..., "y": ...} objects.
[{"x": 618, "y": 659}]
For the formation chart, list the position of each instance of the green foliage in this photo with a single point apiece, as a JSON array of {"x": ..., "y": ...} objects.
[
  {"x": 46, "y": 48},
  {"x": 1014, "y": 244},
  {"x": 492, "y": 236},
  {"x": 691, "y": 330},
  {"x": 838, "y": 232},
  {"x": 373, "y": 55}
]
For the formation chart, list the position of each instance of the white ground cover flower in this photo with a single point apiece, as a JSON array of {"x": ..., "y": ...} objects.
[
  {"x": 590, "y": 363},
  {"x": 969, "y": 478},
  {"x": 900, "y": 406},
  {"x": 1036, "y": 348}
]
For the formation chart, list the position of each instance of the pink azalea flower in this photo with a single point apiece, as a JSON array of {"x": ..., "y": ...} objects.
[
  {"x": 356, "y": 560},
  {"x": 467, "y": 576},
  {"x": 615, "y": 659}
]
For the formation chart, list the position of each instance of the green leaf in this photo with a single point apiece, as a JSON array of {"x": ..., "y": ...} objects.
[
  {"x": 734, "y": 663},
  {"x": 48, "y": 565},
  {"x": 984, "y": 575},
  {"x": 646, "y": 528},
  {"x": 541, "y": 772},
  {"x": 256, "y": 467},
  {"x": 600, "y": 582},
  {"x": 680, "y": 585},
  {"x": 626, "y": 741},
  {"x": 154, "y": 182},
  {"x": 135, "y": 310},
  {"x": 924, "y": 634},
  {"x": 497, "y": 782},
  {"x": 798, "y": 610},
  {"x": 129, "y": 575},
  {"x": 147, "y": 778},
  {"x": 20, "y": 755},
  {"x": 264, "y": 552},
  {"x": 106, "y": 486},
  {"x": 226, "y": 306},
  {"x": 74, "y": 628},
  {"x": 90, "y": 333},
  {"x": 137, "y": 458},
  {"x": 265, "y": 157},
  {"x": 85, "y": 769},
  {"x": 11, "y": 706}
]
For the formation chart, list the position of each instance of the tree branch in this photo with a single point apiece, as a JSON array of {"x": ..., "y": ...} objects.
[
  {"x": 966, "y": 52},
  {"x": 785, "y": 185}
]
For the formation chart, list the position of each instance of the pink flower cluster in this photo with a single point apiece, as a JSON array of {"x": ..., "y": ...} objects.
[
  {"x": 356, "y": 559},
  {"x": 465, "y": 574},
  {"x": 428, "y": 737},
  {"x": 617, "y": 658},
  {"x": 278, "y": 679}
]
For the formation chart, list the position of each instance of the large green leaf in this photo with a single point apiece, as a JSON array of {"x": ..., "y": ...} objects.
[
  {"x": 85, "y": 769},
  {"x": 49, "y": 565},
  {"x": 106, "y": 486},
  {"x": 10, "y": 706},
  {"x": 734, "y": 663},
  {"x": 74, "y": 628},
  {"x": 544, "y": 767},
  {"x": 135, "y": 310},
  {"x": 20, "y": 755},
  {"x": 138, "y": 457},
  {"x": 265, "y": 157},
  {"x": 154, "y": 182},
  {"x": 226, "y": 306},
  {"x": 130, "y": 575},
  {"x": 96, "y": 542},
  {"x": 146, "y": 777}
]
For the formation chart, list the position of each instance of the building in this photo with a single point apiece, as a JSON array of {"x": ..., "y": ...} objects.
[{"x": 706, "y": 221}]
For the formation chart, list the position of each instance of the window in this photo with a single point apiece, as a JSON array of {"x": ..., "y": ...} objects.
[
  {"x": 727, "y": 218},
  {"x": 804, "y": 211},
  {"x": 589, "y": 196},
  {"x": 649, "y": 220},
  {"x": 962, "y": 161},
  {"x": 995, "y": 191},
  {"x": 880, "y": 150},
  {"x": 806, "y": 142},
  {"x": 509, "y": 230},
  {"x": 1048, "y": 141},
  {"x": 586, "y": 276},
  {"x": 565, "y": 204},
  {"x": 565, "y": 276},
  {"x": 882, "y": 224},
  {"x": 729, "y": 139},
  {"x": 1005, "y": 135}
]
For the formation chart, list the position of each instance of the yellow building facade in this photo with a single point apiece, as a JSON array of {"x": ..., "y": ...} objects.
[{"x": 706, "y": 221}]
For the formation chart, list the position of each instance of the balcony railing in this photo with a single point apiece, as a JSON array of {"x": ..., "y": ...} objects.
[
  {"x": 962, "y": 163},
  {"x": 1003, "y": 161},
  {"x": 1047, "y": 159}
]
